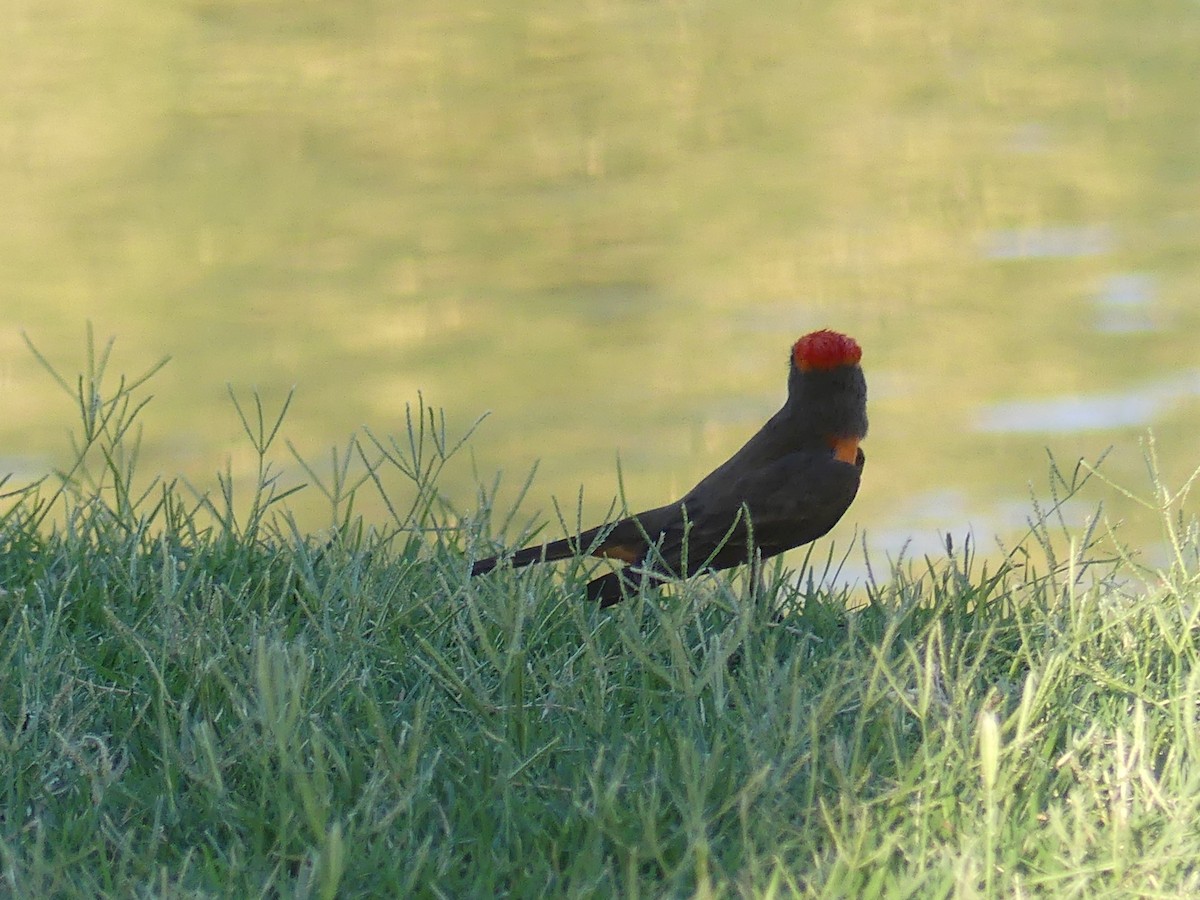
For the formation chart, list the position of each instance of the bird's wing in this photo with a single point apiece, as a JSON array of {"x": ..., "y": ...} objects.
[
  {"x": 799, "y": 498},
  {"x": 791, "y": 501},
  {"x": 629, "y": 539}
]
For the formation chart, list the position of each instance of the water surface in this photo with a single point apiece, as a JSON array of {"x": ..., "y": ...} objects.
[{"x": 606, "y": 223}]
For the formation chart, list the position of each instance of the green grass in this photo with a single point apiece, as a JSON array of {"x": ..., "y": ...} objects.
[{"x": 196, "y": 699}]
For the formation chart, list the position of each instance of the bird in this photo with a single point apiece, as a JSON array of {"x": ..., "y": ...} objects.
[{"x": 787, "y": 486}]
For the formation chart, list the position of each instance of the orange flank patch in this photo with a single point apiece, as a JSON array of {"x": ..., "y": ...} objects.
[
  {"x": 623, "y": 552},
  {"x": 845, "y": 449}
]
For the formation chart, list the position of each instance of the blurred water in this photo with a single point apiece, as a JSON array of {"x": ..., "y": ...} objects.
[{"x": 606, "y": 224}]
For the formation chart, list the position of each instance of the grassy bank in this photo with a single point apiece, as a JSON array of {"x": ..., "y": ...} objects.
[{"x": 196, "y": 699}]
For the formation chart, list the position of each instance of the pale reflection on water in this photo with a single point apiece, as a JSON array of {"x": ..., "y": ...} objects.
[
  {"x": 1049, "y": 242},
  {"x": 1125, "y": 304},
  {"x": 1138, "y": 407}
]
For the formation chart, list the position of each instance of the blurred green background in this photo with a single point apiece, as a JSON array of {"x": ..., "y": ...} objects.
[{"x": 606, "y": 223}]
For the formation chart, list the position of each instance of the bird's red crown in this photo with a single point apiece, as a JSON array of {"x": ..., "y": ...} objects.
[{"x": 825, "y": 350}]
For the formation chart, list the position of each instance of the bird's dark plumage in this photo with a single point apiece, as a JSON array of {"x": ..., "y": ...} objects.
[{"x": 793, "y": 481}]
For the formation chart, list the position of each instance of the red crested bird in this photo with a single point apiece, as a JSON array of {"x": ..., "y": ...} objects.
[{"x": 787, "y": 486}]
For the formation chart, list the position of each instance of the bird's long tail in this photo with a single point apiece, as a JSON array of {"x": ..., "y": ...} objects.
[{"x": 563, "y": 548}]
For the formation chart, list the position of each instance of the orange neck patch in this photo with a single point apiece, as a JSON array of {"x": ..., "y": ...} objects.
[{"x": 845, "y": 449}]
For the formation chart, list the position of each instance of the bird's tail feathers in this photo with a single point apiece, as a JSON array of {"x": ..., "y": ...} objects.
[{"x": 564, "y": 548}]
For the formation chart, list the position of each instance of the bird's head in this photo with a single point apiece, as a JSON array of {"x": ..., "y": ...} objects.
[
  {"x": 824, "y": 351},
  {"x": 827, "y": 391}
]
